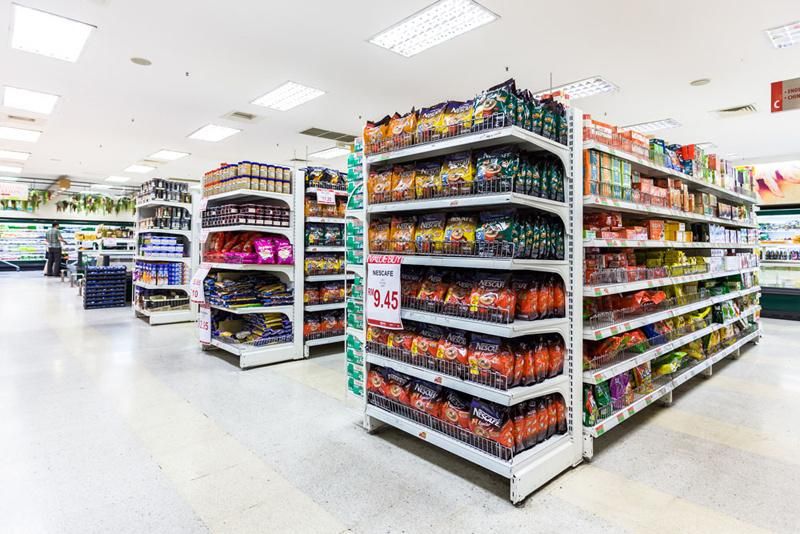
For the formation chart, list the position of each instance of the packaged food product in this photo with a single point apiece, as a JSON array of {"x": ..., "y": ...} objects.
[
  {"x": 311, "y": 208},
  {"x": 519, "y": 412},
  {"x": 590, "y": 410},
  {"x": 556, "y": 350},
  {"x": 458, "y": 294},
  {"x": 430, "y": 233},
  {"x": 375, "y": 133},
  {"x": 561, "y": 408},
  {"x": 311, "y": 294},
  {"x": 430, "y": 123},
  {"x": 401, "y": 129},
  {"x": 457, "y": 174},
  {"x": 426, "y": 397},
  {"x": 453, "y": 347},
  {"x": 428, "y": 179},
  {"x": 541, "y": 361},
  {"x": 491, "y": 421},
  {"x": 401, "y": 339},
  {"x": 495, "y": 233},
  {"x": 433, "y": 286},
  {"x": 492, "y": 299},
  {"x": 496, "y": 106},
  {"x": 379, "y": 185},
  {"x": 402, "y": 234},
  {"x": 375, "y": 380},
  {"x": 456, "y": 410},
  {"x": 458, "y": 117},
  {"x": 643, "y": 378},
  {"x": 314, "y": 234},
  {"x": 397, "y": 386},
  {"x": 459, "y": 234},
  {"x": 377, "y": 335},
  {"x": 403, "y": 182},
  {"x": 426, "y": 341},
  {"x": 527, "y": 291},
  {"x": 531, "y": 424},
  {"x": 410, "y": 282},
  {"x": 496, "y": 168},
  {"x": 523, "y": 362},
  {"x": 379, "y": 233},
  {"x": 488, "y": 355},
  {"x": 311, "y": 325}
]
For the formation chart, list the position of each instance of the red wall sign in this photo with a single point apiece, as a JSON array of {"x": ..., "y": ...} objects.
[{"x": 785, "y": 95}]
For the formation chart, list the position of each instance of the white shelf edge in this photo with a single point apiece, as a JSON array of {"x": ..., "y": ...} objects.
[
  {"x": 611, "y": 289},
  {"x": 476, "y": 201},
  {"x": 513, "y": 329},
  {"x": 324, "y": 249},
  {"x": 277, "y": 267},
  {"x": 634, "y": 243},
  {"x": 145, "y": 285},
  {"x": 180, "y": 259},
  {"x": 328, "y": 277},
  {"x": 185, "y": 233},
  {"x": 265, "y": 355},
  {"x": 171, "y": 203},
  {"x": 325, "y": 220},
  {"x": 166, "y": 317},
  {"x": 557, "y": 266},
  {"x": 287, "y": 309},
  {"x": 324, "y": 340},
  {"x": 287, "y": 198},
  {"x": 337, "y": 192},
  {"x": 325, "y": 307}
]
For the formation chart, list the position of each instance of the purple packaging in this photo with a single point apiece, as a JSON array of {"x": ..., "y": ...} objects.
[
  {"x": 284, "y": 252},
  {"x": 266, "y": 249}
]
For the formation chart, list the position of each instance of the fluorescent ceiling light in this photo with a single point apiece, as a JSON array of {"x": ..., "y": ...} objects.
[
  {"x": 784, "y": 36},
  {"x": 652, "y": 126},
  {"x": 583, "y": 88},
  {"x": 47, "y": 34},
  {"x": 213, "y": 133},
  {"x": 140, "y": 169},
  {"x": 101, "y": 186},
  {"x": 437, "y": 23},
  {"x": 328, "y": 153},
  {"x": 10, "y": 168},
  {"x": 14, "y": 155},
  {"x": 117, "y": 179},
  {"x": 287, "y": 96},
  {"x": 168, "y": 155},
  {"x": 18, "y": 134},
  {"x": 9, "y": 178},
  {"x": 14, "y": 97}
]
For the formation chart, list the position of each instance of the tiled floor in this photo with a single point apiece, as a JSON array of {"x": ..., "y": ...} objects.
[{"x": 109, "y": 425}]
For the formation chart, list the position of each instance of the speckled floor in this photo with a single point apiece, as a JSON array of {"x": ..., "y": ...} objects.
[{"x": 109, "y": 425}]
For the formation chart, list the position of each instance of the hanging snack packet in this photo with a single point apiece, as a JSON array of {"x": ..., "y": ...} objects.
[
  {"x": 402, "y": 233},
  {"x": 403, "y": 182},
  {"x": 457, "y": 174},
  {"x": 430, "y": 233},
  {"x": 428, "y": 179}
]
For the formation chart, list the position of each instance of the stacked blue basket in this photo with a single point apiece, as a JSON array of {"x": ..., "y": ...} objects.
[{"x": 104, "y": 287}]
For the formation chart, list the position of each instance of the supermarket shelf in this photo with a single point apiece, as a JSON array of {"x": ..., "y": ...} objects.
[
  {"x": 610, "y": 289},
  {"x": 166, "y": 317},
  {"x": 329, "y": 277},
  {"x": 169, "y": 203},
  {"x": 282, "y": 230},
  {"x": 254, "y": 356},
  {"x": 145, "y": 285},
  {"x": 249, "y": 194},
  {"x": 513, "y": 329},
  {"x": 634, "y": 243},
  {"x": 130, "y": 253},
  {"x": 324, "y": 249},
  {"x": 504, "y": 468},
  {"x": 275, "y": 267},
  {"x": 711, "y": 360},
  {"x": 625, "y": 326},
  {"x": 287, "y": 310},
  {"x": 329, "y": 220},
  {"x": 593, "y": 201},
  {"x": 324, "y": 307},
  {"x": 781, "y": 263},
  {"x": 651, "y": 168},
  {"x": 162, "y": 258},
  {"x": 504, "y": 397},
  {"x": 476, "y": 201},
  {"x": 499, "y": 136},
  {"x": 337, "y": 192},
  {"x": 472, "y": 262},
  {"x": 185, "y": 233},
  {"x": 324, "y": 341}
]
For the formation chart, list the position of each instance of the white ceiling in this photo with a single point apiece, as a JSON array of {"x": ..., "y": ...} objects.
[{"x": 211, "y": 58}]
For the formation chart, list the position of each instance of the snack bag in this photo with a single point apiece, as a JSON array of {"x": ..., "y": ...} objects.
[
  {"x": 377, "y": 335},
  {"x": 543, "y": 420},
  {"x": 401, "y": 339},
  {"x": 458, "y": 294},
  {"x": 492, "y": 298},
  {"x": 520, "y": 429},
  {"x": 457, "y": 174},
  {"x": 556, "y": 350},
  {"x": 456, "y": 410},
  {"x": 491, "y": 421},
  {"x": 458, "y": 117},
  {"x": 430, "y": 123},
  {"x": 401, "y": 129},
  {"x": 379, "y": 233},
  {"x": 496, "y": 107},
  {"x": 375, "y": 134},
  {"x": 561, "y": 410},
  {"x": 402, "y": 233},
  {"x": 496, "y": 169},
  {"x": 410, "y": 283},
  {"x": 379, "y": 185},
  {"x": 590, "y": 411},
  {"x": 459, "y": 234},
  {"x": 559, "y": 297},
  {"x": 426, "y": 342},
  {"x": 375, "y": 380},
  {"x": 433, "y": 286},
  {"x": 311, "y": 208},
  {"x": 487, "y": 355},
  {"x": 527, "y": 291},
  {"x": 541, "y": 360},
  {"x": 266, "y": 249},
  {"x": 284, "y": 251},
  {"x": 453, "y": 347},
  {"x": 428, "y": 179},
  {"x": 643, "y": 378},
  {"x": 426, "y": 397},
  {"x": 430, "y": 233},
  {"x": 397, "y": 386},
  {"x": 495, "y": 233},
  {"x": 311, "y": 325},
  {"x": 546, "y": 299},
  {"x": 403, "y": 182}
]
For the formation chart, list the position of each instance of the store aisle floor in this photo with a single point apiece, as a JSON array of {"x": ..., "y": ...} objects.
[{"x": 111, "y": 425}]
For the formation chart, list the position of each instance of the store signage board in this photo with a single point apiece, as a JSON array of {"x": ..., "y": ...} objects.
[
  {"x": 196, "y": 293},
  {"x": 383, "y": 291},
  {"x": 326, "y": 196},
  {"x": 13, "y": 191},
  {"x": 785, "y": 95},
  {"x": 204, "y": 324}
]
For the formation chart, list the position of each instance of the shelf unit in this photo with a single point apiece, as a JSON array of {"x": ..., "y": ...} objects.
[
  {"x": 146, "y": 209},
  {"x": 625, "y": 362},
  {"x": 250, "y": 355},
  {"x": 529, "y": 469}
]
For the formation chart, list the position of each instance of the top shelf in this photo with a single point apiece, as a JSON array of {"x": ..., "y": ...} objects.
[
  {"x": 648, "y": 167},
  {"x": 249, "y": 194},
  {"x": 170, "y": 203},
  {"x": 500, "y": 136}
]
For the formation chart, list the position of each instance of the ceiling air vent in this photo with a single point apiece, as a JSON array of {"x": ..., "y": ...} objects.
[
  {"x": 299, "y": 160},
  {"x": 21, "y": 119},
  {"x": 241, "y": 116},
  {"x": 327, "y": 134},
  {"x": 736, "y": 111}
]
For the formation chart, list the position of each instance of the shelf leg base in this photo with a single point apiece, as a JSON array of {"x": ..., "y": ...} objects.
[
  {"x": 666, "y": 400},
  {"x": 709, "y": 371},
  {"x": 588, "y": 447}
]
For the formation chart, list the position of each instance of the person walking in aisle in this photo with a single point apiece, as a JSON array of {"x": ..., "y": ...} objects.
[{"x": 54, "y": 242}]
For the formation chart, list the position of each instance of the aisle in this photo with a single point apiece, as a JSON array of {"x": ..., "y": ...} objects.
[{"x": 111, "y": 425}]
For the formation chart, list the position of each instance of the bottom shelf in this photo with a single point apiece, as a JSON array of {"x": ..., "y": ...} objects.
[
  {"x": 339, "y": 338},
  {"x": 679, "y": 378},
  {"x": 165, "y": 317},
  {"x": 250, "y": 356}
]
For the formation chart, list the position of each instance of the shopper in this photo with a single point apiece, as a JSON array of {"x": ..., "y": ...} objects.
[{"x": 54, "y": 242}]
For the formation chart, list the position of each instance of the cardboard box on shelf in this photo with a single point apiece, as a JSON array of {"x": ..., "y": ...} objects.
[{"x": 655, "y": 229}]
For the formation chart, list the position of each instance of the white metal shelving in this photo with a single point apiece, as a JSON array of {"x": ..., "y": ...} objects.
[
  {"x": 328, "y": 277},
  {"x": 635, "y": 243},
  {"x": 324, "y": 307},
  {"x": 611, "y": 289},
  {"x": 529, "y": 469}
]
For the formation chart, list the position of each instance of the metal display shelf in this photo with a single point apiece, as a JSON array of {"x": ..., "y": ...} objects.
[
  {"x": 611, "y": 289},
  {"x": 165, "y": 317},
  {"x": 664, "y": 391},
  {"x": 185, "y": 233},
  {"x": 328, "y": 220},
  {"x": 634, "y": 243},
  {"x": 529, "y": 469},
  {"x": 328, "y": 277},
  {"x": 282, "y": 230},
  {"x": 271, "y": 267},
  {"x": 593, "y": 201},
  {"x": 324, "y": 340},
  {"x": 324, "y": 249},
  {"x": 180, "y": 287},
  {"x": 337, "y": 192},
  {"x": 286, "y": 310},
  {"x": 782, "y": 263},
  {"x": 163, "y": 258},
  {"x": 255, "y": 356},
  {"x": 624, "y": 326},
  {"x": 649, "y": 168},
  {"x": 325, "y": 307},
  {"x": 169, "y": 203},
  {"x": 249, "y": 194}
]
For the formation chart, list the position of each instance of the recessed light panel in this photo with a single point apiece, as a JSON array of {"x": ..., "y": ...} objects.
[
  {"x": 50, "y": 35},
  {"x": 167, "y": 155},
  {"x": 329, "y": 153},
  {"x": 140, "y": 169},
  {"x": 18, "y": 134},
  {"x": 287, "y": 96},
  {"x": 11, "y": 169},
  {"x": 652, "y": 126},
  {"x": 583, "y": 88},
  {"x": 117, "y": 179},
  {"x": 14, "y": 97},
  {"x": 784, "y": 36},
  {"x": 437, "y": 23},
  {"x": 9, "y": 178},
  {"x": 213, "y": 133},
  {"x": 14, "y": 155}
]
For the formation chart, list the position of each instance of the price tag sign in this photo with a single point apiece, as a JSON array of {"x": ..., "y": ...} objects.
[
  {"x": 204, "y": 324},
  {"x": 196, "y": 293},
  {"x": 326, "y": 196},
  {"x": 383, "y": 291},
  {"x": 110, "y": 242}
]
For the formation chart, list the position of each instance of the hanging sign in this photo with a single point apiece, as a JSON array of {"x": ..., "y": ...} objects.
[
  {"x": 196, "y": 293},
  {"x": 383, "y": 291},
  {"x": 204, "y": 324},
  {"x": 326, "y": 196},
  {"x": 13, "y": 191},
  {"x": 785, "y": 95}
]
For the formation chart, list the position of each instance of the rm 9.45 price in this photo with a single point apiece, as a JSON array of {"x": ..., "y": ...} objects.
[{"x": 389, "y": 300}]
